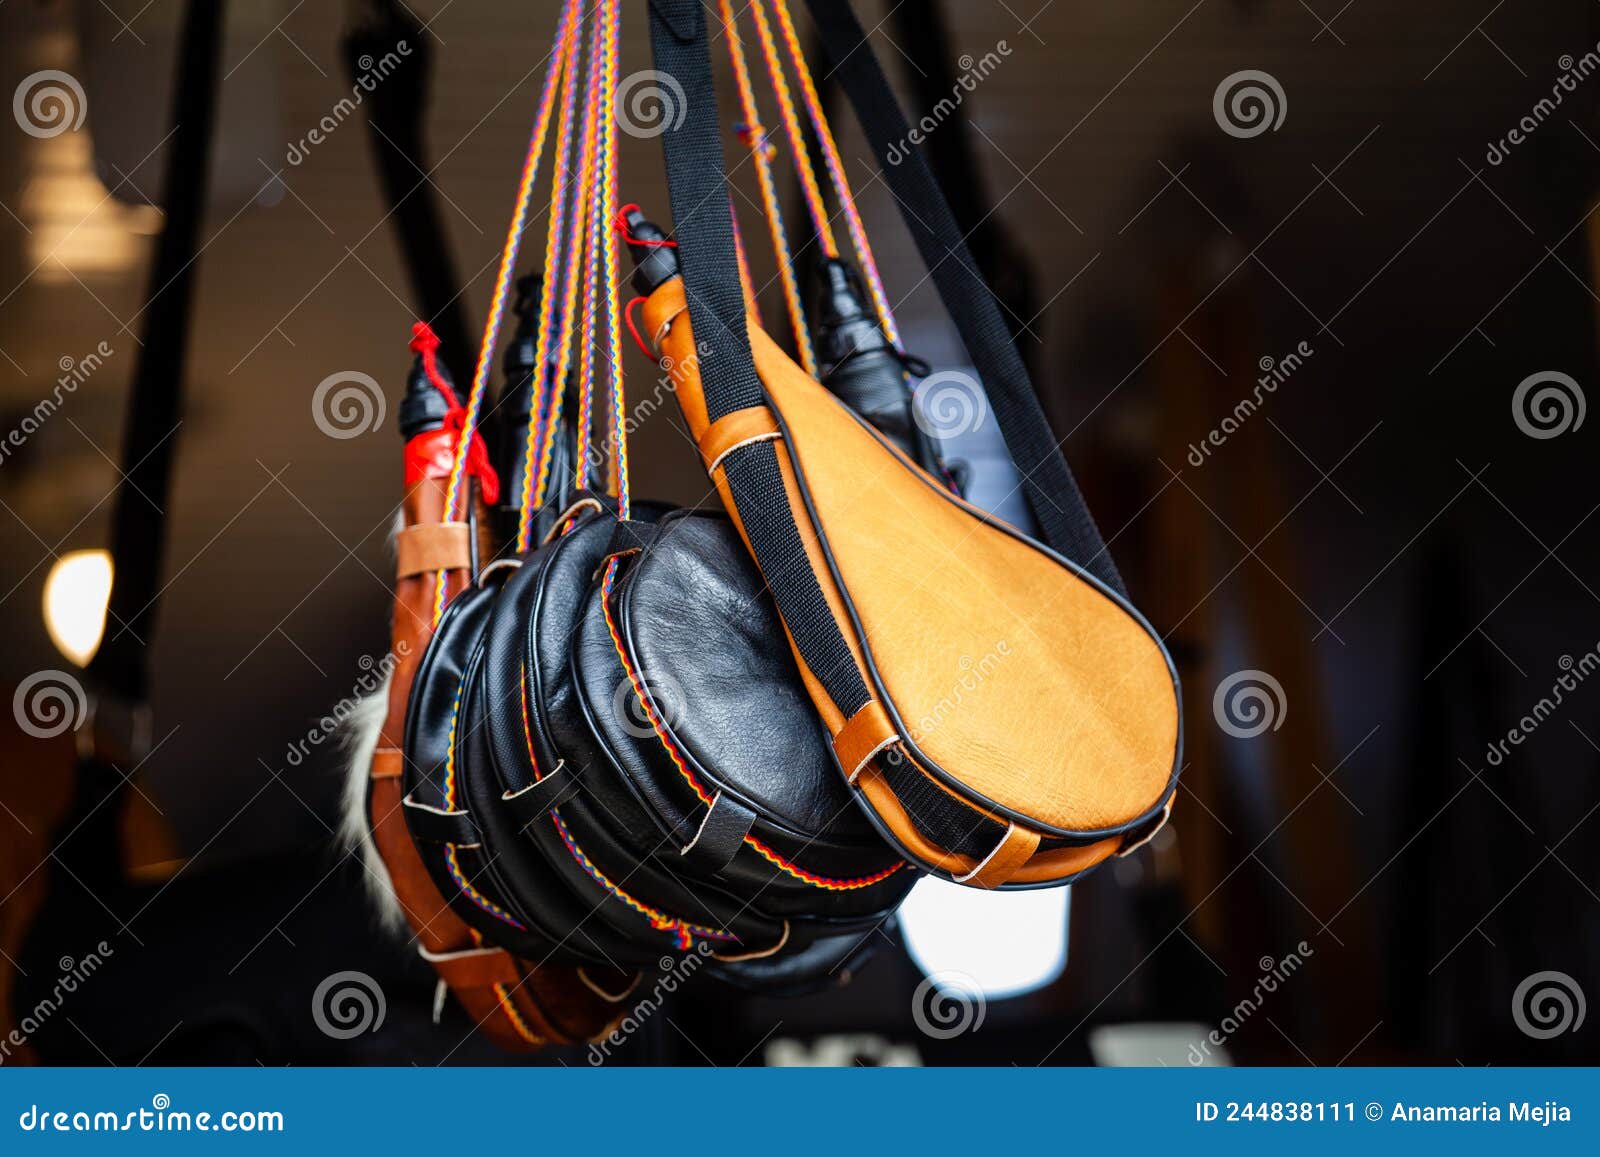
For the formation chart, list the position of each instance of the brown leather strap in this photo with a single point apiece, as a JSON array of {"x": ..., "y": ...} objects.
[
  {"x": 1015, "y": 848},
  {"x": 863, "y": 735},
  {"x": 473, "y": 967},
  {"x": 432, "y": 546},
  {"x": 735, "y": 429},
  {"x": 388, "y": 763}
]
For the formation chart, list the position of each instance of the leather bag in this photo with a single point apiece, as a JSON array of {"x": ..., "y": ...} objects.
[
  {"x": 1004, "y": 713},
  {"x": 602, "y": 783}
]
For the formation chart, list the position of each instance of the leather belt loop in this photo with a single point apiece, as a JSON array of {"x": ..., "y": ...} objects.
[
  {"x": 629, "y": 536},
  {"x": 1015, "y": 848},
  {"x": 863, "y": 735},
  {"x": 720, "y": 835},
  {"x": 1139, "y": 837},
  {"x": 551, "y": 790},
  {"x": 434, "y": 825},
  {"x": 735, "y": 429},
  {"x": 432, "y": 546},
  {"x": 388, "y": 763}
]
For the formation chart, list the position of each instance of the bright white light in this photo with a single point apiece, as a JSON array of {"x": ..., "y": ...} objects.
[
  {"x": 75, "y": 598},
  {"x": 1008, "y": 943}
]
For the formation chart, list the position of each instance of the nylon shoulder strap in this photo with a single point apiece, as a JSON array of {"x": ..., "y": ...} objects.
[
  {"x": 1051, "y": 491},
  {"x": 703, "y": 223}
]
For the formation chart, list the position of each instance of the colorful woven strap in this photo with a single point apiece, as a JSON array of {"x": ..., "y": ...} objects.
[
  {"x": 560, "y": 60},
  {"x": 801, "y": 156},
  {"x": 836, "y": 173},
  {"x": 557, "y": 258},
  {"x": 761, "y": 151},
  {"x": 605, "y": 209}
]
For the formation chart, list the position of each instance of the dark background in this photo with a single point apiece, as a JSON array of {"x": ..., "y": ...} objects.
[{"x": 1381, "y": 537}]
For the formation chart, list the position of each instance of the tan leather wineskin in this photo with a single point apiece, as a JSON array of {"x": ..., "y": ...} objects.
[{"x": 1025, "y": 690}]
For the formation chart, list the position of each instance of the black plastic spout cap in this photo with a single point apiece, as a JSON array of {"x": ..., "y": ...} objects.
[
  {"x": 422, "y": 407},
  {"x": 523, "y": 349},
  {"x": 655, "y": 261},
  {"x": 843, "y": 325}
]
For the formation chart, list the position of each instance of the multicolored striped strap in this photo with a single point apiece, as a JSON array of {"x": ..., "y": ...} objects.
[
  {"x": 557, "y": 258},
  {"x": 761, "y": 149},
  {"x": 830, "y": 156},
  {"x": 560, "y": 60}
]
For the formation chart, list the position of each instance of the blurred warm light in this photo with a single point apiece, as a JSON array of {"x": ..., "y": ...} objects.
[
  {"x": 1007, "y": 943},
  {"x": 75, "y": 598},
  {"x": 76, "y": 228}
]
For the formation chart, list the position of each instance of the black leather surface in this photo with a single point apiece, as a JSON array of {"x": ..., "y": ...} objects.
[
  {"x": 696, "y": 616},
  {"x": 710, "y": 655},
  {"x": 532, "y": 890},
  {"x": 600, "y": 878},
  {"x": 598, "y": 820},
  {"x": 455, "y": 646}
]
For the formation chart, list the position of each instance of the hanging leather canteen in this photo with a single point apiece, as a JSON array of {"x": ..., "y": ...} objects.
[
  {"x": 712, "y": 755},
  {"x": 1006, "y": 716},
  {"x": 576, "y": 829}
]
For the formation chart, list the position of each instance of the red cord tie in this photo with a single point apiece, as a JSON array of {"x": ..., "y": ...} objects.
[{"x": 431, "y": 454}]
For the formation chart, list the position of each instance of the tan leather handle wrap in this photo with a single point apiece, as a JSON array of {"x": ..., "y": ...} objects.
[
  {"x": 735, "y": 429},
  {"x": 432, "y": 547},
  {"x": 863, "y": 735},
  {"x": 1015, "y": 848}
]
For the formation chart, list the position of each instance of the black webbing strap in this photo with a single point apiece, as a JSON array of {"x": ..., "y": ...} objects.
[
  {"x": 396, "y": 113},
  {"x": 138, "y": 521},
  {"x": 1047, "y": 481},
  {"x": 939, "y": 815},
  {"x": 703, "y": 225}
]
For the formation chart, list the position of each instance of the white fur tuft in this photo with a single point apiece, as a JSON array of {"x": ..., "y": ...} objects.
[{"x": 361, "y": 732}]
